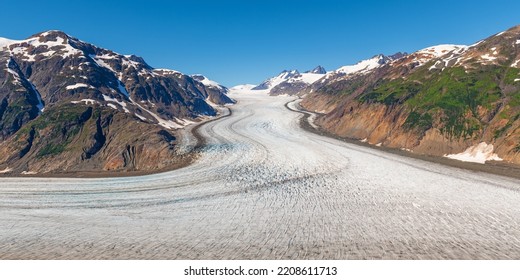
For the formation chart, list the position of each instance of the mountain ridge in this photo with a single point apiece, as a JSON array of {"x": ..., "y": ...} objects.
[
  {"x": 69, "y": 105},
  {"x": 443, "y": 100},
  {"x": 290, "y": 81}
]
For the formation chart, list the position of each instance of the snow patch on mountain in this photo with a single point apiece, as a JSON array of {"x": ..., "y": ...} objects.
[
  {"x": 163, "y": 71},
  {"x": 479, "y": 153},
  {"x": 488, "y": 57},
  {"x": 78, "y": 85},
  {"x": 100, "y": 61},
  {"x": 166, "y": 123},
  {"x": 129, "y": 62},
  {"x": 121, "y": 103},
  {"x": 140, "y": 117},
  {"x": 112, "y": 106},
  {"x": 87, "y": 101}
]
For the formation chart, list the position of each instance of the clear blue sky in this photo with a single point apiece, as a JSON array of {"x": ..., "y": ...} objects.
[{"x": 235, "y": 42}]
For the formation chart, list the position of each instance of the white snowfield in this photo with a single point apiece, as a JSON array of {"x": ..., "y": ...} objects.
[
  {"x": 363, "y": 66},
  {"x": 264, "y": 188},
  {"x": 440, "y": 50}
]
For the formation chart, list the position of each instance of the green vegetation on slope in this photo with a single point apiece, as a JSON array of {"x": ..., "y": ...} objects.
[
  {"x": 59, "y": 126},
  {"x": 455, "y": 99}
]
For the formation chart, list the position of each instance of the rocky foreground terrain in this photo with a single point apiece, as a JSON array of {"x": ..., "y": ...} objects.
[
  {"x": 446, "y": 100},
  {"x": 67, "y": 105}
]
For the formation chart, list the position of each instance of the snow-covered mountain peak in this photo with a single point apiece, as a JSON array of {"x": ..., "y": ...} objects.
[
  {"x": 288, "y": 81},
  {"x": 43, "y": 45},
  {"x": 55, "y": 43},
  {"x": 446, "y": 54},
  {"x": 51, "y": 35},
  {"x": 440, "y": 50},
  {"x": 205, "y": 81},
  {"x": 364, "y": 65},
  {"x": 274, "y": 81},
  {"x": 135, "y": 58},
  {"x": 286, "y": 74}
]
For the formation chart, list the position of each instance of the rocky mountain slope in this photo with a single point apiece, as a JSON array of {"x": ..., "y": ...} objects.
[
  {"x": 462, "y": 101},
  {"x": 67, "y": 105}
]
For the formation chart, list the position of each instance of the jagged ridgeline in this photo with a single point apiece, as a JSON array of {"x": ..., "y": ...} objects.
[
  {"x": 67, "y": 105},
  {"x": 439, "y": 100}
]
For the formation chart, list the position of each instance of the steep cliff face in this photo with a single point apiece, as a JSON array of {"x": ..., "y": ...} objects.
[
  {"x": 438, "y": 101},
  {"x": 66, "y": 105}
]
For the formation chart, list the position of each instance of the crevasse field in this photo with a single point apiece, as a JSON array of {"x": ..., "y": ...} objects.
[{"x": 264, "y": 188}]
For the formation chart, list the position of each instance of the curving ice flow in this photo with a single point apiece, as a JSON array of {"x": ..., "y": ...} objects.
[{"x": 264, "y": 188}]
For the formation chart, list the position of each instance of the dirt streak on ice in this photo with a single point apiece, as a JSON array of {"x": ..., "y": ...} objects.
[{"x": 265, "y": 189}]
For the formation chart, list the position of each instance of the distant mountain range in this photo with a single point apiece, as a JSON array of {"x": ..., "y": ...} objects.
[
  {"x": 293, "y": 82},
  {"x": 68, "y": 105},
  {"x": 290, "y": 81}
]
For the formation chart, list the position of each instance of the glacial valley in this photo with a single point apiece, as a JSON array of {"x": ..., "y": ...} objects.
[{"x": 264, "y": 188}]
